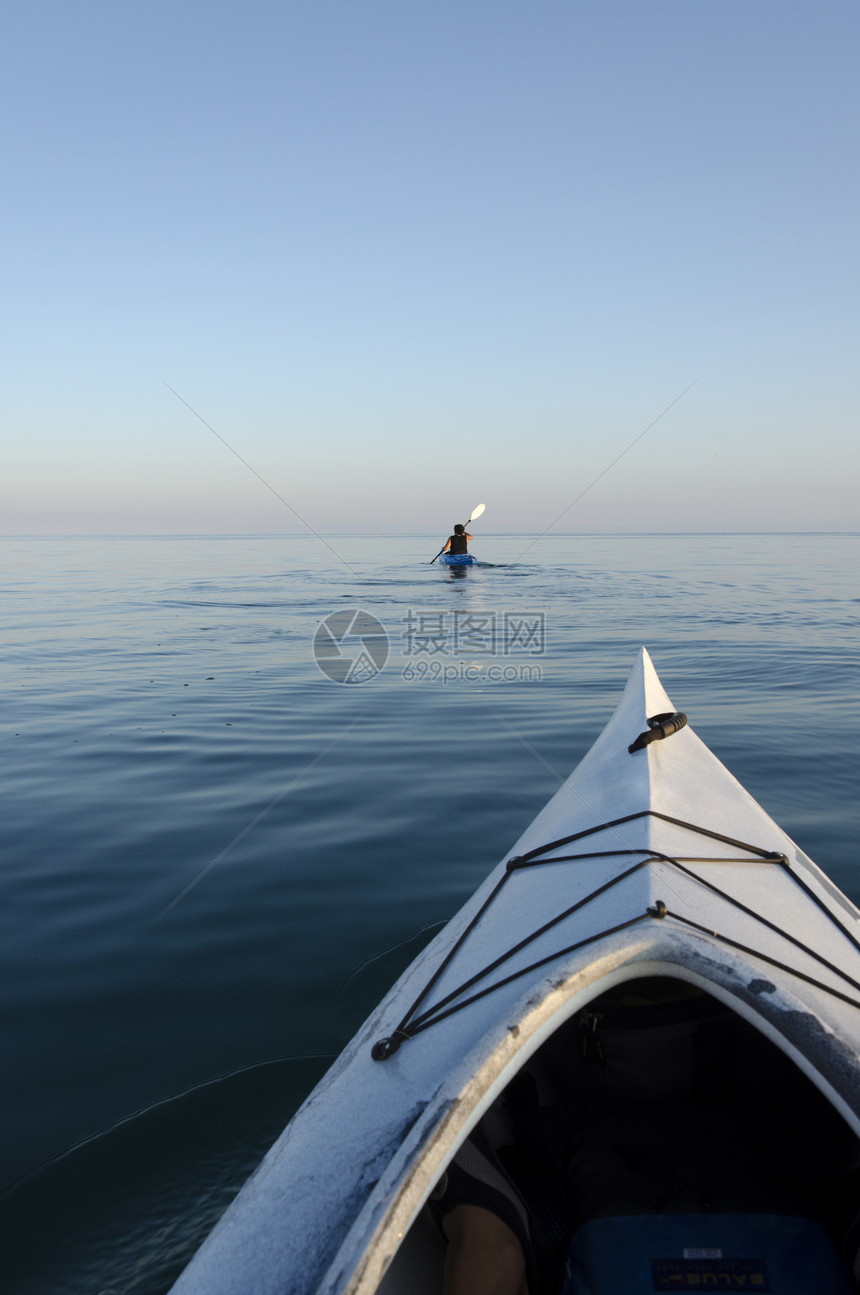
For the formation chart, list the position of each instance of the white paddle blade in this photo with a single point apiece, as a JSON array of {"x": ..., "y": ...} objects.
[{"x": 476, "y": 512}]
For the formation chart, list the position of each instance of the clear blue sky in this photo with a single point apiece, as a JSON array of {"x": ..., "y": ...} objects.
[{"x": 404, "y": 257}]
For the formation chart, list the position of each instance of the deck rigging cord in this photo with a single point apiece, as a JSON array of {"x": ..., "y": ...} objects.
[{"x": 415, "y": 1021}]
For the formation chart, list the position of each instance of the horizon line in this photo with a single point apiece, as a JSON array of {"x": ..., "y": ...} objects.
[{"x": 302, "y": 535}]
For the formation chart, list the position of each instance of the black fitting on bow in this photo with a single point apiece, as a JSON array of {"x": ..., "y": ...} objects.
[
  {"x": 386, "y": 1048},
  {"x": 659, "y": 910},
  {"x": 659, "y": 726}
]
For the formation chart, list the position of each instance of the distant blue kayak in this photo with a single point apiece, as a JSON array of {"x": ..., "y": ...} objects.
[{"x": 458, "y": 559}]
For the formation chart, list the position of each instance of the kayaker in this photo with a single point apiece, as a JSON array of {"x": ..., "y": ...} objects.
[
  {"x": 486, "y": 1227},
  {"x": 458, "y": 542}
]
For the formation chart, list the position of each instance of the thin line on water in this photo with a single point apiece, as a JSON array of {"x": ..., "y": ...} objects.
[
  {"x": 50, "y": 1162},
  {"x": 355, "y": 971},
  {"x": 525, "y": 742},
  {"x": 602, "y": 474},
  {"x": 262, "y": 814},
  {"x": 261, "y": 479}
]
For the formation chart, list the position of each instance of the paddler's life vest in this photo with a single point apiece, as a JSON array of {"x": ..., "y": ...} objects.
[{"x": 458, "y": 544}]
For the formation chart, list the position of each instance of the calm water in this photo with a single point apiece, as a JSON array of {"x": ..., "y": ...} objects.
[{"x": 215, "y": 858}]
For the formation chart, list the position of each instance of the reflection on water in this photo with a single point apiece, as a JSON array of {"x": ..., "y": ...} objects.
[{"x": 213, "y": 854}]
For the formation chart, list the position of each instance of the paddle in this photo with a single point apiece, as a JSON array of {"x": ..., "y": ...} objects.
[{"x": 476, "y": 512}]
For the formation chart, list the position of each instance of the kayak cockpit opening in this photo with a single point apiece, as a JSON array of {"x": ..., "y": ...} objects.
[{"x": 657, "y": 1141}]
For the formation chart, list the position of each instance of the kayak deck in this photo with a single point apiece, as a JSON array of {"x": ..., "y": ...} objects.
[
  {"x": 648, "y": 864},
  {"x": 727, "y": 882}
]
